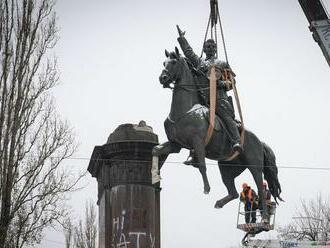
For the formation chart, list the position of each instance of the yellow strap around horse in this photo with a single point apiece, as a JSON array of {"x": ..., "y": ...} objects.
[{"x": 213, "y": 89}]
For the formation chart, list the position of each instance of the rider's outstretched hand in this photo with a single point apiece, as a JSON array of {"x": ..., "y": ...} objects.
[{"x": 181, "y": 33}]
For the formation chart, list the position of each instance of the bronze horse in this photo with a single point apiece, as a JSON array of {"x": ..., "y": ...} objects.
[{"x": 186, "y": 127}]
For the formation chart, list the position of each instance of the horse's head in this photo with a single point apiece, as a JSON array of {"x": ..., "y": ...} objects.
[{"x": 174, "y": 65}]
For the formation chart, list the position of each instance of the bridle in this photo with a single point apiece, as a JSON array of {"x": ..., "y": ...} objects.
[{"x": 172, "y": 79}]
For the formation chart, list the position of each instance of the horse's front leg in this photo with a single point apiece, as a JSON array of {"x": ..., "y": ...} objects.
[
  {"x": 161, "y": 150},
  {"x": 200, "y": 159}
]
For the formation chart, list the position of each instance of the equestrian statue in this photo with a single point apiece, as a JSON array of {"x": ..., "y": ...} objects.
[{"x": 189, "y": 119}]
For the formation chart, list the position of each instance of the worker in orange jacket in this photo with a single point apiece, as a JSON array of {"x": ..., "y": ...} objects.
[{"x": 249, "y": 198}]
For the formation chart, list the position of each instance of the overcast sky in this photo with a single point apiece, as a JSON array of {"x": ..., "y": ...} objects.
[{"x": 110, "y": 55}]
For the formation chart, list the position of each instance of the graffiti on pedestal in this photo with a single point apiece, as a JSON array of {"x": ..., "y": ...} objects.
[{"x": 129, "y": 230}]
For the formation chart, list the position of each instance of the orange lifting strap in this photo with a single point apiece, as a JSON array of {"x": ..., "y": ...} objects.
[{"x": 213, "y": 89}]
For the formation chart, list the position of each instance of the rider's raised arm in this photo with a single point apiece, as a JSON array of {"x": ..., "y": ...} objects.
[{"x": 186, "y": 48}]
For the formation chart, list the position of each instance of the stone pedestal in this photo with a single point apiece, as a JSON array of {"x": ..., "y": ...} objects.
[{"x": 129, "y": 205}]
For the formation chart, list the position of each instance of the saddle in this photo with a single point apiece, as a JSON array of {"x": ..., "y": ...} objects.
[{"x": 204, "y": 111}]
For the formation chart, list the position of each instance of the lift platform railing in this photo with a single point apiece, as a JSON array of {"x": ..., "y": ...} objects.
[{"x": 260, "y": 225}]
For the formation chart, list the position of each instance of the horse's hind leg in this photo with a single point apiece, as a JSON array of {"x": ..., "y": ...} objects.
[
  {"x": 228, "y": 173},
  {"x": 257, "y": 175},
  {"x": 200, "y": 159}
]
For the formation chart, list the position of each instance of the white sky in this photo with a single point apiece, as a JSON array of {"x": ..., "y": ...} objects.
[{"x": 110, "y": 55}]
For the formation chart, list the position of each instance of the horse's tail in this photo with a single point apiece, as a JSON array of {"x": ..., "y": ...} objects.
[{"x": 270, "y": 172}]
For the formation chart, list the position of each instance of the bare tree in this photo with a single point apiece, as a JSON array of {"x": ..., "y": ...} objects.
[
  {"x": 326, "y": 213},
  {"x": 79, "y": 238},
  {"x": 83, "y": 235},
  {"x": 33, "y": 139},
  {"x": 68, "y": 233},
  {"x": 90, "y": 225},
  {"x": 311, "y": 222}
]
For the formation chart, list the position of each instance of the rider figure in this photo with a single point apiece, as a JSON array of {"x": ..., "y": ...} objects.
[{"x": 224, "y": 108}]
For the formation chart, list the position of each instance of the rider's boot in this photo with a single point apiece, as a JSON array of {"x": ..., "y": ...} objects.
[
  {"x": 233, "y": 131},
  {"x": 191, "y": 159},
  {"x": 223, "y": 111}
]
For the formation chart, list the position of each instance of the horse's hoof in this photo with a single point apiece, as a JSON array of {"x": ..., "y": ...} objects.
[
  {"x": 218, "y": 204},
  {"x": 206, "y": 191},
  {"x": 155, "y": 179}
]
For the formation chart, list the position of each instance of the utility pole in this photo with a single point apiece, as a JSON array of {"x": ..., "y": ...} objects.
[{"x": 319, "y": 22}]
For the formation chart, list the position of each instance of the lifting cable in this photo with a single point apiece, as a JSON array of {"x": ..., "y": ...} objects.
[{"x": 214, "y": 18}]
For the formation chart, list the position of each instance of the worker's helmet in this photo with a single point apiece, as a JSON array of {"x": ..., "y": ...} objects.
[{"x": 245, "y": 185}]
